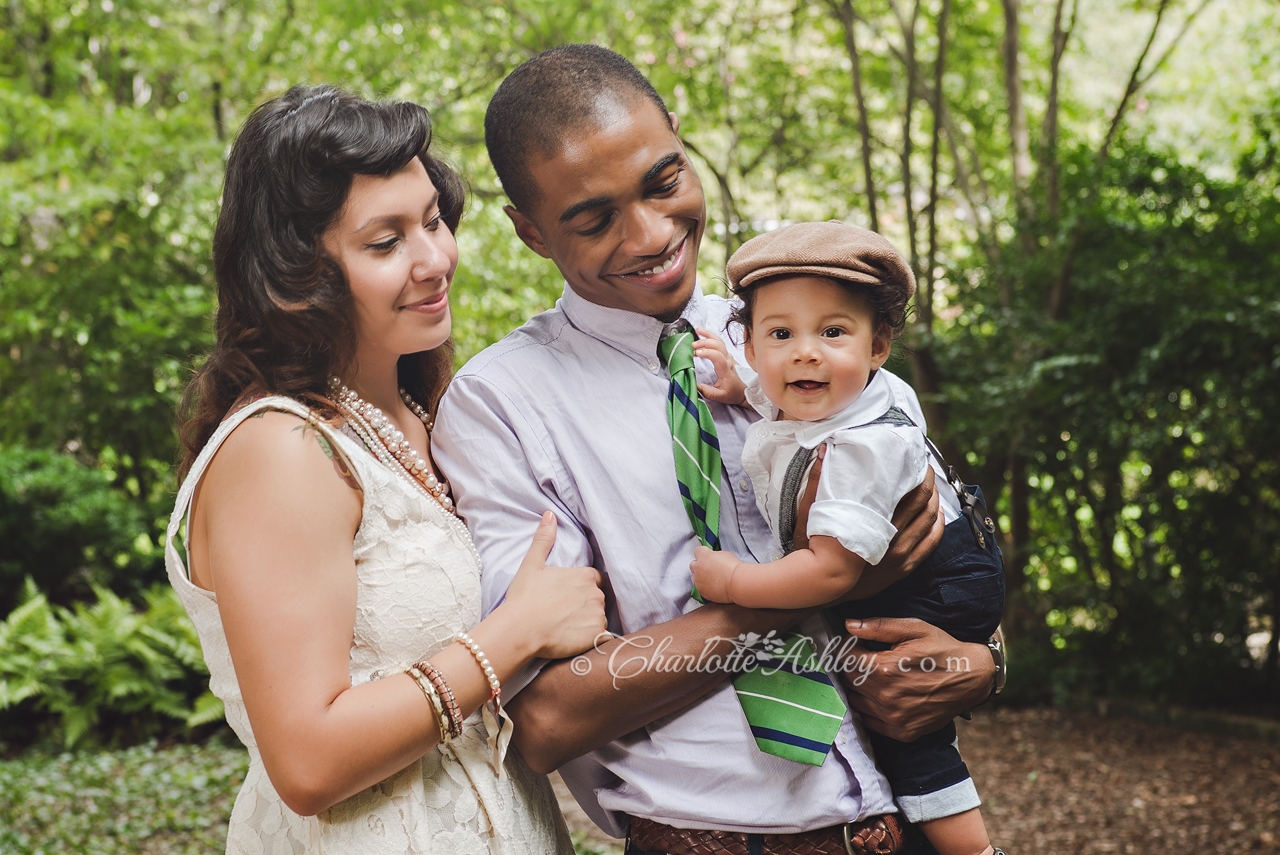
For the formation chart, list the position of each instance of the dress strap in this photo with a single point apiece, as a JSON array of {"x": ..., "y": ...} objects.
[{"x": 182, "y": 505}]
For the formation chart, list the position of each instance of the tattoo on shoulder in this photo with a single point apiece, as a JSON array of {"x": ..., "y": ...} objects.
[{"x": 339, "y": 462}]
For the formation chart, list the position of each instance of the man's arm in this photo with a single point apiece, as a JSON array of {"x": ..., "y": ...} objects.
[
  {"x": 565, "y": 713},
  {"x": 578, "y": 705}
]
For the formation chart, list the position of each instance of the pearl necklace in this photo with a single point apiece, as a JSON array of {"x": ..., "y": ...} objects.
[{"x": 388, "y": 444}]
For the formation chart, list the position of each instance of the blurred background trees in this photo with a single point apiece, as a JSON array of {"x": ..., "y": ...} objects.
[{"x": 1086, "y": 190}]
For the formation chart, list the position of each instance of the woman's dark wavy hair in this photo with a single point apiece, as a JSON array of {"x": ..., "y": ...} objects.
[{"x": 284, "y": 322}]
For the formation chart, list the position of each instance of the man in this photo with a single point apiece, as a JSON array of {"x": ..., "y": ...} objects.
[{"x": 570, "y": 413}]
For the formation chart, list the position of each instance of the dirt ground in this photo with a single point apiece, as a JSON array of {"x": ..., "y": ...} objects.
[{"x": 1058, "y": 783}]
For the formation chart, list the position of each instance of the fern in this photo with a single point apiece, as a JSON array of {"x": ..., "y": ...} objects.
[{"x": 105, "y": 659}]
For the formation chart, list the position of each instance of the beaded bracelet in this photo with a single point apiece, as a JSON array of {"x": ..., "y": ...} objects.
[
  {"x": 450, "y": 702},
  {"x": 442, "y": 718},
  {"x": 483, "y": 661}
]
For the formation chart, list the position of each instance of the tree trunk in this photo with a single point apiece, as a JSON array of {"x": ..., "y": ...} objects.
[
  {"x": 843, "y": 12},
  {"x": 1017, "y": 613},
  {"x": 1019, "y": 142},
  {"x": 924, "y": 301},
  {"x": 909, "y": 43},
  {"x": 1050, "y": 164}
]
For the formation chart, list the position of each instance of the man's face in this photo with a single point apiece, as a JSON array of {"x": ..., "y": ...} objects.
[{"x": 621, "y": 212}]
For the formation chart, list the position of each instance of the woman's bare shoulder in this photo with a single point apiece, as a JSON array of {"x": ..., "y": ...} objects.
[{"x": 281, "y": 449}]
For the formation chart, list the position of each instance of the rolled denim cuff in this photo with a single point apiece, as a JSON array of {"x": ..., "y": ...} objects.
[{"x": 949, "y": 801}]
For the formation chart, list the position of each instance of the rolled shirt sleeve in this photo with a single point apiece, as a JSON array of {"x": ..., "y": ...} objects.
[{"x": 865, "y": 473}]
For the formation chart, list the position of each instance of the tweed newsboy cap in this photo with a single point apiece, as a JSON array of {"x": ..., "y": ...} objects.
[{"x": 831, "y": 249}]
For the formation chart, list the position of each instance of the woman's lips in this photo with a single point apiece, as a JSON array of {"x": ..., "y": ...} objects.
[
  {"x": 431, "y": 304},
  {"x": 670, "y": 270}
]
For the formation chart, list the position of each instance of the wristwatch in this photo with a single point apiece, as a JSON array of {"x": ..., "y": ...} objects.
[{"x": 996, "y": 645}]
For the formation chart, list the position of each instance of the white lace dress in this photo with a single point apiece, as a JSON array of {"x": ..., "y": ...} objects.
[{"x": 418, "y": 583}]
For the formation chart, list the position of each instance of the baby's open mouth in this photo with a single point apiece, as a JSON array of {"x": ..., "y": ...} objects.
[{"x": 807, "y": 385}]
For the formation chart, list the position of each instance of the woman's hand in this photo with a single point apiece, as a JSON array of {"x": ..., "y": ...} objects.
[{"x": 562, "y": 608}]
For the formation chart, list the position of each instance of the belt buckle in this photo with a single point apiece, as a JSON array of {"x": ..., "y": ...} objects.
[{"x": 848, "y": 839}]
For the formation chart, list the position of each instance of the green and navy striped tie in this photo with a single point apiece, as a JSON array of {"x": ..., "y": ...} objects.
[{"x": 793, "y": 709}]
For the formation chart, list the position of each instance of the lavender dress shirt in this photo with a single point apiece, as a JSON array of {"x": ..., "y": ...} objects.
[{"x": 568, "y": 413}]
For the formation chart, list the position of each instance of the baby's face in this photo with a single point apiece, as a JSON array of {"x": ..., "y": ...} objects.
[{"x": 814, "y": 345}]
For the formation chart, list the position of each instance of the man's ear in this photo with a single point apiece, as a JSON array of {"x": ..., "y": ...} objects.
[
  {"x": 881, "y": 346},
  {"x": 675, "y": 123},
  {"x": 527, "y": 231},
  {"x": 749, "y": 351}
]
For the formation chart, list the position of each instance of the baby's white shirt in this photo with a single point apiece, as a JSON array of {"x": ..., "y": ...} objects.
[{"x": 867, "y": 468}]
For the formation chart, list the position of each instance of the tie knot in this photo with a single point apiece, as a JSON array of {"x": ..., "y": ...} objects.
[{"x": 676, "y": 348}]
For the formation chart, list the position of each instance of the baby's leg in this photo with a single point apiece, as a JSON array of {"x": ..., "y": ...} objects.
[
  {"x": 959, "y": 834},
  {"x": 932, "y": 787}
]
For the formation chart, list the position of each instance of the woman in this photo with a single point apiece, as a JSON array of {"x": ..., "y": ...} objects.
[{"x": 336, "y": 595}]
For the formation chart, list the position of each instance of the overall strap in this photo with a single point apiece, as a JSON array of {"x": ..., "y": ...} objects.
[
  {"x": 895, "y": 417},
  {"x": 971, "y": 507},
  {"x": 796, "y": 469}
]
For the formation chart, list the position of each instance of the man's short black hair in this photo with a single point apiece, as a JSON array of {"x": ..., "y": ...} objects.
[{"x": 558, "y": 91}]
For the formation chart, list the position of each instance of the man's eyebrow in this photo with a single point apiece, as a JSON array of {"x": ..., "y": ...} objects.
[
  {"x": 575, "y": 210},
  {"x": 392, "y": 219},
  {"x": 600, "y": 201},
  {"x": 663, "y": 163}
]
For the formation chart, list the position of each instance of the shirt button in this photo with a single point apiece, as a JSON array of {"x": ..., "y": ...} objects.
[
  {"x": 653, "y": 365},
  {"x": 743, "y": 485},
  {"x": 777, "y": 556}
]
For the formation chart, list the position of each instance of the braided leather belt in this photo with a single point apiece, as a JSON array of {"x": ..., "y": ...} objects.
[{"x": 877, "y": 835}]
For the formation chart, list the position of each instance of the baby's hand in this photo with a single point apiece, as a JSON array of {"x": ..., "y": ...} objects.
[
  {"x": 728, "y": 388},
  {"x": 712, "y": 572}
]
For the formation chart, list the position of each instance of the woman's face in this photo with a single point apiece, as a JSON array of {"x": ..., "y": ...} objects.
[{"x": 398, "y": 257}]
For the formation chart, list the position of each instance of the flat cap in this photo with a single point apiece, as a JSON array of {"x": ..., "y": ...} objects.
[{"x": 831, "y": 249}]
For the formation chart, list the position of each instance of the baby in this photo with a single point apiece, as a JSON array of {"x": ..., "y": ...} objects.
[{"x": 821, "y": 305}]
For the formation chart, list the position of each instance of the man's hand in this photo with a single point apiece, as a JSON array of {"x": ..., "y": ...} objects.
[{"x": 921, "y": 682}]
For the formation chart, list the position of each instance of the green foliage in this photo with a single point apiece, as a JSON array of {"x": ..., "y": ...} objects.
[
  {"x": 1144, "y": 414},
  {"x": 66, "y": 526},
  {"x": 104, "y": 670},
  {"x": 1120, "y": 431},
  {"x": 143, "y": 799}
]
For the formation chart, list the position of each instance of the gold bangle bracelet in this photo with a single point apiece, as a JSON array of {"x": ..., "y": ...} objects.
[
  {"x": 441, "y": 686},
  {"x": 443, "y": 721}
]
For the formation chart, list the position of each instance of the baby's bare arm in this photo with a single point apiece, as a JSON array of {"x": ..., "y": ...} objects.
[{"x": 814, "y": 576}]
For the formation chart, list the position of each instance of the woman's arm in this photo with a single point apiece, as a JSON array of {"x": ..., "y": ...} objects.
[
  {"x": 820, "y": 573},
  {"x": 275, "y": 524}
]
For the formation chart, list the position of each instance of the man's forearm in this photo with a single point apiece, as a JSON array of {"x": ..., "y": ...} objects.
[{"x": 577, "y": 705}]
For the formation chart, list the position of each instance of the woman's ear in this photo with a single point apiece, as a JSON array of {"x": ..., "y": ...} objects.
[{"x": 881, "y": 345}]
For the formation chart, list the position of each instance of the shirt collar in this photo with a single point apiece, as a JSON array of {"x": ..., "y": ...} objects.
[
  {"x": 632, "y": 333},
  {"x": 873, "y": 403}
]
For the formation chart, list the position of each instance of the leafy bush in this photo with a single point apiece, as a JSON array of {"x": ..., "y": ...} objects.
[
  {"x": 64, "y": 525},
  {"x": 140, "y": 800},
  {"x": 103, "y": 670}
]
